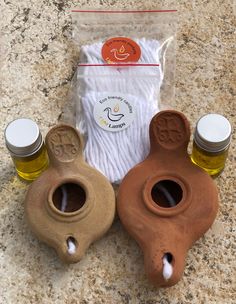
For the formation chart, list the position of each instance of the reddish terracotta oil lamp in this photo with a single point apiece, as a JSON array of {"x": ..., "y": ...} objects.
[{"x": 166, "y": 202}]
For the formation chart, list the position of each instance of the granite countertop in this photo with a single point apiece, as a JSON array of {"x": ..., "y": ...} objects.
[{"x": 37, "y": 63}]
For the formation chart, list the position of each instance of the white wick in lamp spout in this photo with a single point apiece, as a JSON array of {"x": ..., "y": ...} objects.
[{"x": 167, "y": 268}]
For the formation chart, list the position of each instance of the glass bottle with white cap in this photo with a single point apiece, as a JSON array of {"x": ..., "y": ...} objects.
[
  {"x": 211, "y": 142},
  {"x": 25, "y": 144}
]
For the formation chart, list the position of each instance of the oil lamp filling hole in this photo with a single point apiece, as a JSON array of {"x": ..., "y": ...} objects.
[
  {"x": 69, "y": 197},
  {"x": 167, "y": 193}
]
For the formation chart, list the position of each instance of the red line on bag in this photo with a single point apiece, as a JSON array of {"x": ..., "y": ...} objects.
[
  {"x": 121, "y": 12},
  {"x": 118, "y": 64}
]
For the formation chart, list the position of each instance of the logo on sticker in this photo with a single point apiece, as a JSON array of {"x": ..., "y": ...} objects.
[
  {"x": 120, "y": 49},
  {"x": 113, "y": 112}
]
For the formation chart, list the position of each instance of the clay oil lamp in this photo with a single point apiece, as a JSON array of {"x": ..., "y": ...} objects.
[
  {"x": 71, "y": 204},
  {"x": 166, "y": 202}
]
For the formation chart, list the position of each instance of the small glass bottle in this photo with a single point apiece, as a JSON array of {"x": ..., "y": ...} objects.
[
  {"x": 211, "y": 142},
  {"x": 25, "y": 144}
]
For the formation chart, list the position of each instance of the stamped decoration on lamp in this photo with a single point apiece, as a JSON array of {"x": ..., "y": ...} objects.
[
  {"x": 64, "y": 144},
  {"x": 170, "y": 130}
]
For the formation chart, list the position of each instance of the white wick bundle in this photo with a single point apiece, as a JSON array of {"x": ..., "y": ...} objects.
[{"x": 115, "y": 153}]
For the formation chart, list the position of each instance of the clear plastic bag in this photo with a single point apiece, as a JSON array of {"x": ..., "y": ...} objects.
[{"x": 124, "y": 77}]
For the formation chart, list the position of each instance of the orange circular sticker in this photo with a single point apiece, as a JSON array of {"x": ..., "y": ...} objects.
[{"x": 120, "y": 49}]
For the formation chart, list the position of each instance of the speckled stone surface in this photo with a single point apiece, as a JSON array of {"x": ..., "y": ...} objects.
[{"x": 37, "y": 63}]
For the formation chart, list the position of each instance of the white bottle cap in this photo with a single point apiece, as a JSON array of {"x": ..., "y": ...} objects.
[
  {"x": 23, "y": 137},
  {"x": 213, "y": 132}
]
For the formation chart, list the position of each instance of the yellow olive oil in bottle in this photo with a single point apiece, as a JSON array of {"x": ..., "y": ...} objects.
[
  {"x": 211, "y": 143},
  {"x": 25, "y": 144}
]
